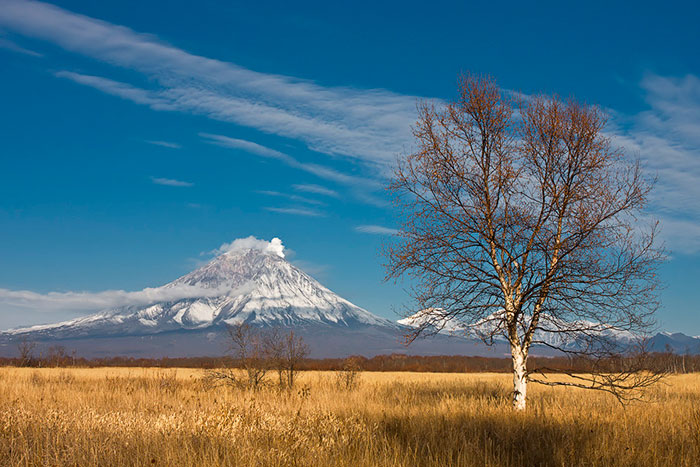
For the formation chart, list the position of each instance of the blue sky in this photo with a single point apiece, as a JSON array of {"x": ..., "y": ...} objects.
[{"x": 137, "y": 136}]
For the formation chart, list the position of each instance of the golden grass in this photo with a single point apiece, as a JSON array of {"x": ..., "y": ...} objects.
[{"x": 127, "y": 416}]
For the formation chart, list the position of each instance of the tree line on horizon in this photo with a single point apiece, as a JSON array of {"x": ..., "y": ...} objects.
[{"x": 60, "y": 357}]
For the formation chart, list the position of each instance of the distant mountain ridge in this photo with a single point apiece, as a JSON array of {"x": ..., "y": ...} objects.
[
  {"x": 252, "y": 282},
  {"x": 660, "y": 342},
  {"x": 676, "y": 342}
]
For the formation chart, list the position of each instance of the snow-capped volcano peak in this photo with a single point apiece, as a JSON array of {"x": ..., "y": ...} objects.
[
  {"x": 232, "y": 268},
  {"x": 249, "y": 281}
]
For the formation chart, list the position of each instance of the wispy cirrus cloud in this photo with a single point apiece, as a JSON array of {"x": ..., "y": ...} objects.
[
  {"x": 248, "y": 146},
  {"x": 371, "y": 125},
  {"x": 165, "y": 144},
  {"x": 170, "y": 182},
  {"x": 296, "y": 211},
  {"x": 297, "y": 198},
  {"x": 666, "y": 137},
  {"x": 316, "y": 189},
  {"x": 117, "y": 88},
  {"x": 315, "y": 169},
  {"x": 376, "y": 230},
  {"x": 9, "y": 45}
]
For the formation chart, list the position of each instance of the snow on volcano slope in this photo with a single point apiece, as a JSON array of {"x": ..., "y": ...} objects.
[{"x": 249, "y": 283}]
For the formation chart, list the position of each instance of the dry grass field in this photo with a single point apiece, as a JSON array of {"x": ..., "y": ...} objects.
[{"x": 123, "y": 416}]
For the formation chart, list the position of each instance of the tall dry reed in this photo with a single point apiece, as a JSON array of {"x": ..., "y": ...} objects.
[{"x": 122, "y": 416}]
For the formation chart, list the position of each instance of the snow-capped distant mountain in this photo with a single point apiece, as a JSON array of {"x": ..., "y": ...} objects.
[
  {"x": 249, "y": 281},
  {"x": 432, "y": 321},
  {"x": 253, "y": 285},
  {"x": 549, "y": 329}
]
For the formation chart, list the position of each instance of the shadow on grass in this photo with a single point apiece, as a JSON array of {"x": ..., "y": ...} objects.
[{"x": 506, "y": 438}]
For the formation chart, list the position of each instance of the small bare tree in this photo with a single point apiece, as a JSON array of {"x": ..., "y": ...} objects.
[
  {"x": 258, "y": 351},
  {"x": 249, "y": 348},
  {"x": 274, "y": 348},
  {"x": 56, "y": 356},
  {"x": 26, "y": 352},
  {"x": 285, "y": 352},
  {"x": 294, "y": 351},
  {"x": 347, "y": 377},
  {"x": 520, "y": 220}
]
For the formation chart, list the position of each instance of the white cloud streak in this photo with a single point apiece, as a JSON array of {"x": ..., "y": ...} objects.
[
  {"x": 376, "y": 230},
  {"x": 83, "y": 301},
  {"x": 165, "y": 144},
  {"x": 9, "y": 45},
  {"x": 296, "y": 211},
  {"x": 22, "y": 300},
  {"x": 119, "y": 89},
  {"x": 248, "y": 146},
  {"x": 371, "y": 125},
  {"x": 170, "y": 182},
  {"x": 316, "y": 189},
  {"x": 667, "y": 139},
  {"x": 367, "y": 125},
  {"x": 315, "y": 169},
  {"x": 297, "y": 198}
]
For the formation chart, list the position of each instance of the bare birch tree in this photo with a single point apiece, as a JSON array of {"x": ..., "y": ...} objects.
[{"x": 521, "y": 220}]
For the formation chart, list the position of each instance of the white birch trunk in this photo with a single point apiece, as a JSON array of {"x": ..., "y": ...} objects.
[{"x": 519, "y": 378}]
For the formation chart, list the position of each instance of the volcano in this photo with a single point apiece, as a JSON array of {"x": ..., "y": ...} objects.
[{"x": 252, "y": 282}]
